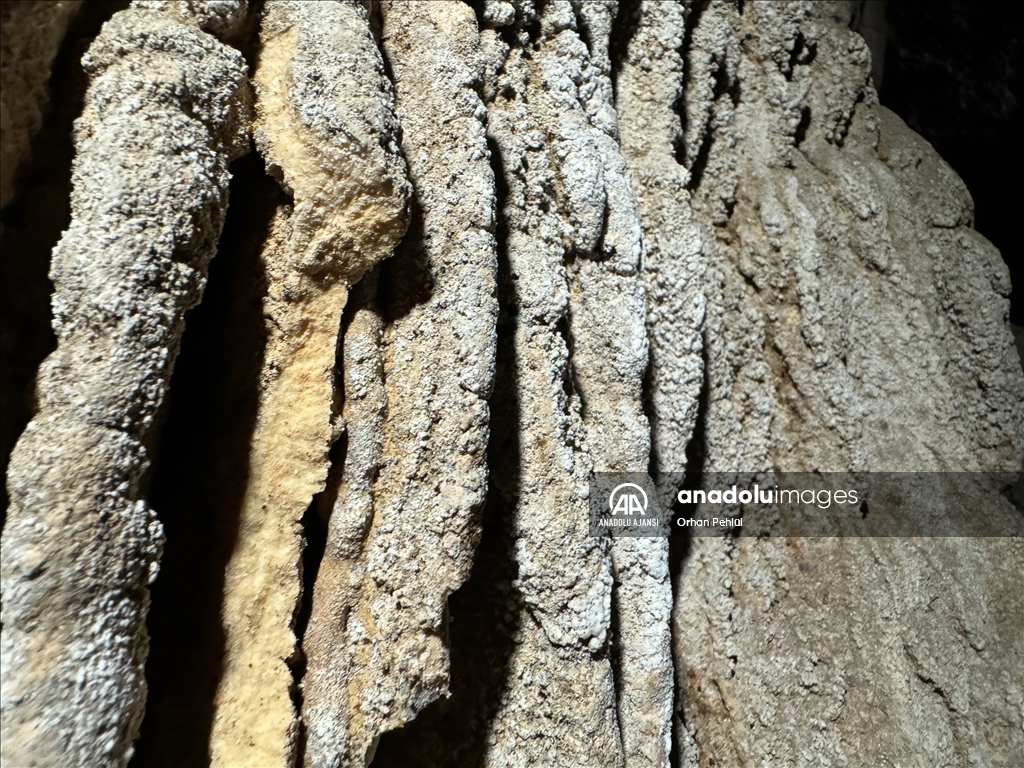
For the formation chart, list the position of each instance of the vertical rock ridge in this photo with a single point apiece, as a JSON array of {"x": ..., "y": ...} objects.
[
  {"x": 649, "y": 88},
  {"x": 327, "y": 703},
  {"x": 384, "y": 652},
  {"x": 81, "y": 545},
  {"x": 559, "y": 704},
  {"x": 326, "y": 128},
  {"x": 609, "y": 358}
]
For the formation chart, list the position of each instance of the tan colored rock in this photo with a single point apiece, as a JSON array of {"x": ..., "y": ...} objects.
[
  {"x": 402, "y": 541},
  {"x": 30, "y": 35},
  {"x": 80, "y": 544},
  {"x": 326, "y": 127}
]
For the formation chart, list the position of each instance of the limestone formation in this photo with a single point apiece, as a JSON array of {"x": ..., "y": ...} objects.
[
  {"x": 81, "y": 544},
  {"x": 840, "y": 261},
  {"x": 405, "y": 525},
  {"x": 30, "y": 34},
  {"x": 524, "y": 242},
  {"x": 327, "y": 130}
]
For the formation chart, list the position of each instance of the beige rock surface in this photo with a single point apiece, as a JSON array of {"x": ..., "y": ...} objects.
[{"x": 326, "y": 127}]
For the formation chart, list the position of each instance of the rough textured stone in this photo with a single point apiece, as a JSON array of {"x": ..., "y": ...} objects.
[
  {"x": 841, "y": 263},
  {"x": 80, "y": 544},
  {"x": 405, "y": 526},
  {"x": 30, "y": 34},
  {"x": 559, "y": 702},
  {"x": 653, "y": 237},
  {"x": 326, "y": 127}
]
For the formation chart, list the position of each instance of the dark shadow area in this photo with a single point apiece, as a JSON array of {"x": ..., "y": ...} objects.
[
  {"x": 317, "y": 518},
  {"x": 200, "y": 475},
  {"x": 954, "y": 71},
  {"x": 33, "y": 222},
  {"x": 405, "y": 279},
  {"x": 680, "y": 543},
  {"x": 484, "y": 614},
  {"x": 624, "y": 28}
]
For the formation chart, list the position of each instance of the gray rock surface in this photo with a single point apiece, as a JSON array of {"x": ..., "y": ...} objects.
[{"x": 81, "y": 544}]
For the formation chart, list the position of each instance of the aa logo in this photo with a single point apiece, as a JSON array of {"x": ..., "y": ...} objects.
[{"x": 626, "y": 500}]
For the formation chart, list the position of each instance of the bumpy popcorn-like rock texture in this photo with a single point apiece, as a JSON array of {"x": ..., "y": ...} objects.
[
  {"x": 81, "y": 544},
  {"x": 405, "y": 524},
  {"x": 326, "y": 127},
  {"x": 524, "y": 241}
]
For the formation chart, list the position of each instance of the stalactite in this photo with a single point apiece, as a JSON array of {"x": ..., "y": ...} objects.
[
  {"x": 560, "y": 701},
  {"x": 512, "y": 245},
  {"x": 326, "y": 127},
  {"x": 378, "y": 651},
  {"x": 81, "y": 545}
]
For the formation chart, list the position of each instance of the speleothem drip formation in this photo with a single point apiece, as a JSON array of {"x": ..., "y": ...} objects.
[
  {"x": 166, "y": 111},
  {"x": 325, "y": 124},
  {"x": 514, "y": 243}
]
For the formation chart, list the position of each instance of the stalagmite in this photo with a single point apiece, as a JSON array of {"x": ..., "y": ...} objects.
[
  {"x": 30, "y": 35},
  {"x": 326, "y": 127},
  {"x": 377, "y": 646},
  {"x": 81, "y": 544}
]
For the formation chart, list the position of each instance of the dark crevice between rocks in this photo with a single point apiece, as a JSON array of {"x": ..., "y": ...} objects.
[
  {"x": 802, "y": 53},
  {"x": 200, "y": 475},
  {"x": 680, "y": 545},
  {"x": 33, "y": 222},
  {"x": 569, "y": 380},
  {"x": 692, "y": 17},
  {"x": 801, "y": 129},
  {"x": 406, "y": 280},
  {"x": 843, "y": 129},
  {"x": 614, "y": 651},
  {"x": 582, "y": 28},
  {"x": 485, "y": 611},
  {"x": 724, "y": 86},
  {"x": 624, "y": 28}
]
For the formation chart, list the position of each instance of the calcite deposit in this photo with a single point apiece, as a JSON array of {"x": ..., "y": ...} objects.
[
  {"x": 515, "y": 243},
  {"x": 326, "y": 127},
  {"x": 81, "y": 543}
]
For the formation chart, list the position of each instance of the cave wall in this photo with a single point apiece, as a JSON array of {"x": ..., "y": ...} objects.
[{"x": 467, "y": 255}]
